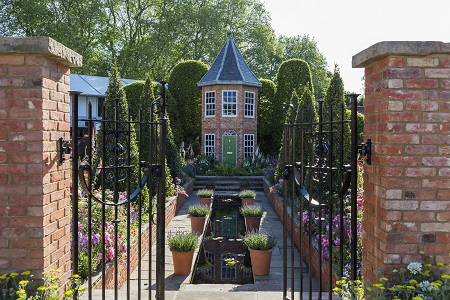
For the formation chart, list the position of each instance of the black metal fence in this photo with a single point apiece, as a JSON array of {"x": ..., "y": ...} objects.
[
  {"x": 118, "y": 188},
  {"x": 321, "y": 191}
]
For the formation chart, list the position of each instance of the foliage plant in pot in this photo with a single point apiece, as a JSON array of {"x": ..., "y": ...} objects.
[
  {"x": 252, "y": 215},
  {"x": 205, "y": 196},
  {"x": 247, "y": 196},
  {"x": 260, "y": 246},
  {"x": 198, "y": 215},
  {"x": 182, "y": 244}
]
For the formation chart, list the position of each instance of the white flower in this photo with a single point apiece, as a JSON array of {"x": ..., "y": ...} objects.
[
  {"x": 426, "y": 286},
  {"x": 415, "y": 267}
]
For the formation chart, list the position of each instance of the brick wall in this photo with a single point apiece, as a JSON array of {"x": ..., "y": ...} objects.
[
  {"x": 218, "y": 125},
  {"x": 34, "y": 113},
  {"x": 407, "y": 187}
]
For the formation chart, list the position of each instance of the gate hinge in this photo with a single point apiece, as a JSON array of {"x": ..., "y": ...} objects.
[
  {"x": 288, "y": 171},
  {"x": 64, "y": 147},
  {"x": 365, "y": 149}
]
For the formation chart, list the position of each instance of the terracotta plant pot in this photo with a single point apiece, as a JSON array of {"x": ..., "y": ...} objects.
[
  {"x": 205, "y": 201},
  {"x": 248, "y": 201},
  {"x": 260, "y": 261},
  {"x": 197, "y": 224},
  {"x": 252, "y": 224},
  {"x": 182, "y": 262}
]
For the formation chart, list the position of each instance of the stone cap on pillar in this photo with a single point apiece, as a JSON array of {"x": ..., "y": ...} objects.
[
  {"x": 396, "y": 48},
  {"x": 43, "y": 45}
]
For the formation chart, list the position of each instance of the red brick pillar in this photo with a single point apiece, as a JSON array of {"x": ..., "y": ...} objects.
[
  {"x": 34, "y": 186},
  {"x": 407, "y": 187}
]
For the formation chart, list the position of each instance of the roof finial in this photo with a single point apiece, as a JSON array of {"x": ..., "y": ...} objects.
[{"x": 229, "y": 32}]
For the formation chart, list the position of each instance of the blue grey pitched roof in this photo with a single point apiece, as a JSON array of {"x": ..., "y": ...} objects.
[
  {"x": 229, "y": 67},
  {"x": 92, "y": 85}
]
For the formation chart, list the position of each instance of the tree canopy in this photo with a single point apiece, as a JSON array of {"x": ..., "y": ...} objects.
[{"x": 152, "y": 36}]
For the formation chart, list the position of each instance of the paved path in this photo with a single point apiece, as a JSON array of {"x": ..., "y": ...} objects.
[{"x": 264, "y": 287}]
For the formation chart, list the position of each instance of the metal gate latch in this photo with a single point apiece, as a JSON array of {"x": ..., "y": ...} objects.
[
  {"x": 365, "y": 149},
  {"x": 64, "y": 147}
]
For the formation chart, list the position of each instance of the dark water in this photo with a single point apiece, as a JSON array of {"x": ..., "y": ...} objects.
[{"x": 223, "y": 258}]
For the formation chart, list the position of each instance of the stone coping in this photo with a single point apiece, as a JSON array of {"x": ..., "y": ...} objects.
[
  {"x": 398, "y": 48},
  {"x": 43, "y": 45}
]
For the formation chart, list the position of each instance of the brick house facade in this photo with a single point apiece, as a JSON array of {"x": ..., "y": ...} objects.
[{"x": 229, "y": 107}]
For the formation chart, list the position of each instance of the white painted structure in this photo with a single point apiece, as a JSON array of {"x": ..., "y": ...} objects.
[{"x": 93, "y": 89}]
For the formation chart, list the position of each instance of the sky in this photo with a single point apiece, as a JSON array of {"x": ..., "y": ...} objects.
[{"x": 345, "y": 28}]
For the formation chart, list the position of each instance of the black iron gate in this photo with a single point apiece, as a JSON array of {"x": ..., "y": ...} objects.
[
  {"x": 118, "y": 188},
  {"x": 320, "y": 189}
]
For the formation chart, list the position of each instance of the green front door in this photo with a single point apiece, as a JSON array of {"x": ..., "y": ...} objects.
[{"x": 229, "y": 150}]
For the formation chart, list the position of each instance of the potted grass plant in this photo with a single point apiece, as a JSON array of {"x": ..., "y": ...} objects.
[
  {"x": 198, "y": 214},
  {"x": 252, "y": 215},
  {"x": 205, "y": 196},
  {"x": 260, "y": 246},
  {"x": 247, "y": 196},
  {"x": 182, "y": 244}
]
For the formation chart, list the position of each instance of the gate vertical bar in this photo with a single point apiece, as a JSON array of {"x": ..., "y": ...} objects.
[
  {"x": 139, "y": 266},
  {"x": 285, "y": 187},
  {"x": 75, "y": 254},
  {"x": 320, "y": 192},
  {"x": 292, "y": 163},
  {"x": 301, "y": 228},
  {"x": 331, "y": 153},
  {"x": 89, "y": 156},
  {"x": 354, "y": 223},
  {"x": 160, "y": 214},
  {"x": 116, "y": 200},
  {"x": 341, "y": 201},
  {"x": 128, "y": 205}
]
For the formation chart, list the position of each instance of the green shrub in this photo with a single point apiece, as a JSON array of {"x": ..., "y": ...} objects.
[
  {"x": 251, "y": 210},
  {"x": 247, "y": 194},
  {"x": 182, "y": 241},
  {"x": 260, "y": 241},
  {"x": 205, "y": 193},
  {"x": 268, "y": 114},
  {"x": 198, "y": 210},
  {"x": 185, "y": 102}
]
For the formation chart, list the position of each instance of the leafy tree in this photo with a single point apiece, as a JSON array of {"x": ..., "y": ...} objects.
[
  {"x": 117, "y": 148},
  {"x": 293, "y": 76},
  {"x": 305, "y": 48},
  {"x": 306, "y": 113},
  {"x": 80, "y": 25},
  {"x": 333, "y": 107},
  {"x": 186, "y": 101},
  {"x": 266, "y": 117},
  {"x": 140, "y": 95}
]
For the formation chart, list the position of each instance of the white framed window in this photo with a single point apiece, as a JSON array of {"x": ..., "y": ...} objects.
[
  {"x": 229, "y": 103},
  {"x": 210, "y": 104},
  {"x": 249, "y": 145},
  {"x": 210, "y": 145},
  {"x": 249, "y": 105}
]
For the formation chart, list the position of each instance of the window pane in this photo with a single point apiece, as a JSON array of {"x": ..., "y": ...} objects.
[
  {"x": 249, "y": 104},
  {"x": 229, "y": 103},
  {"x": 210, "y": 104},
  {"x": 210, "y": 147},
  {"x": 249, "y": 145}
]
